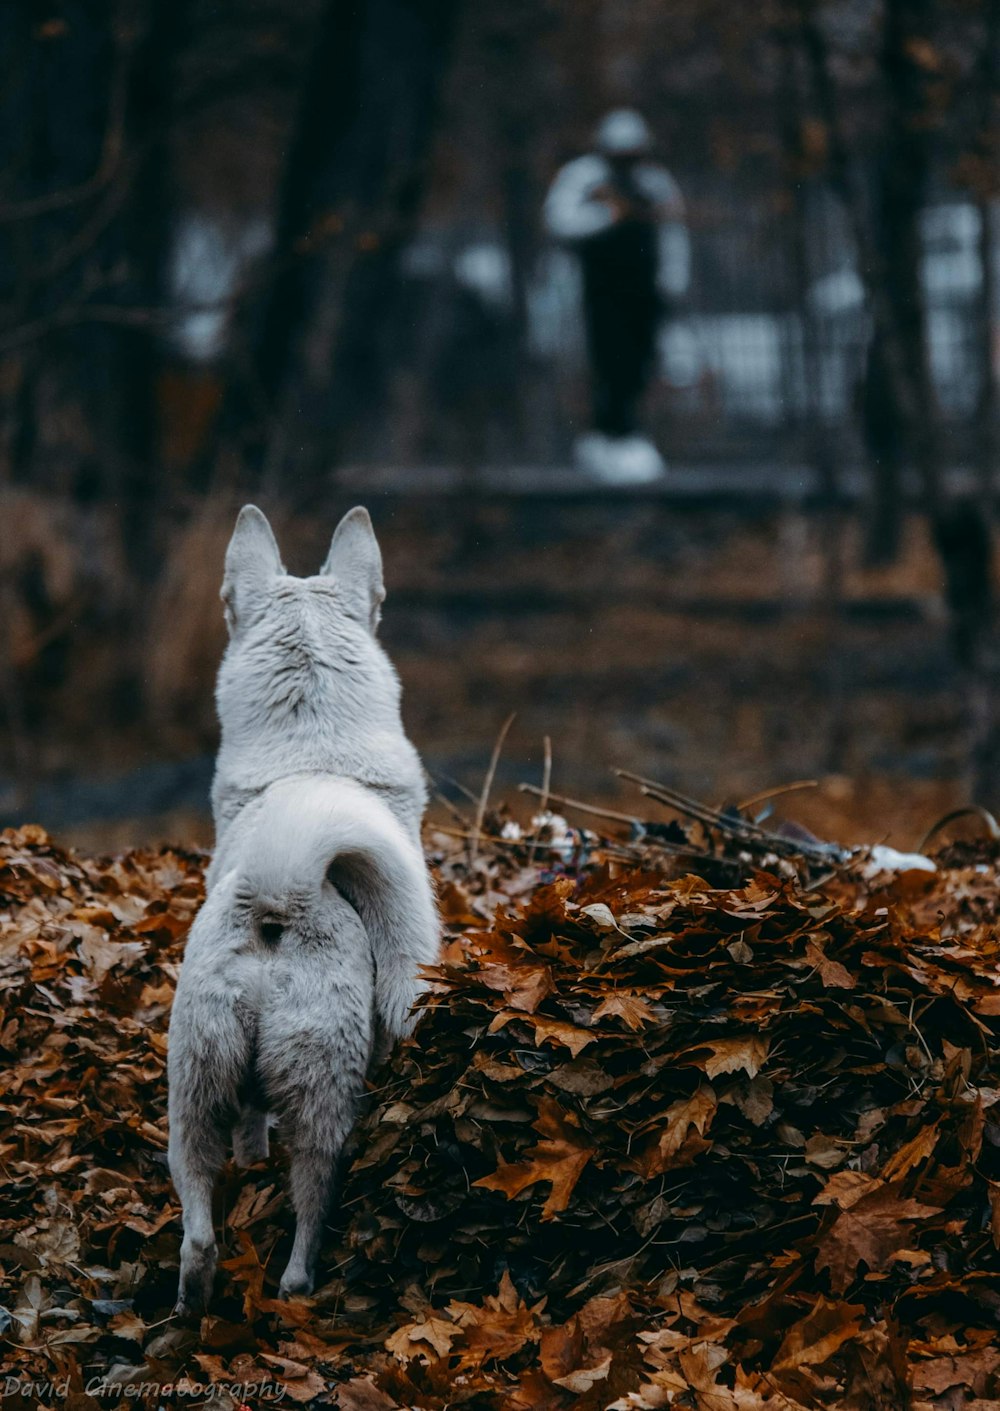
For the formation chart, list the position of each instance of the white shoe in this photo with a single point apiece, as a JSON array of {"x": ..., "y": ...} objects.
[
  {"x": 592, "y": 453},
  {"x": 619, "y": 460}
]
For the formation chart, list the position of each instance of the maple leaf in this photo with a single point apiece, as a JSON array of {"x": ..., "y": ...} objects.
[
  {"x": 831, "y": 972},
  {"x": 571, "y": 1036},
  {"x": 413, "y": 1339},
  {"x": 873, "y": 1224},
  {"x": 675, "y": 1146},
  {"x": 817, "y": 1336},
  {"x": 361, "y": 1394},
  {"x": 561, "y": 1349},
  {"x": 700, "y": 1365},
  {"x": 628, "y": 1007},
  {"x": 747, "y": 1054},
  {"x": 498, "y": 1329},
  {"x": 522, "y": 986},
  {"x": 559, "y": 1159}
]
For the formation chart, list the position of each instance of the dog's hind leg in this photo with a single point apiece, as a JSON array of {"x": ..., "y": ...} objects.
[
  {"x": 210, "y": 1050},
  {"x": 250, "y": 1142},
  {"x": 318, "y": 1105},
  {"x": 314, "y": 1071},
  {"x": 314, "y": 1170},
  {"x": 196, "y": 1154}
]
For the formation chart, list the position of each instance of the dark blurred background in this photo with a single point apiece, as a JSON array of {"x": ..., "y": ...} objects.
[{"x": 294, "y": 253}]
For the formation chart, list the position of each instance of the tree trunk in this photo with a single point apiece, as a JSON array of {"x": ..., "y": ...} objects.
[
  {"x": 888, "y": 247},
  {"x": 987, "y": 405},
  {"x": 87, "y": 222},
  {"x": 901, "y": 196},
  {"x": 144, "y": 236},
  {"x": 349, "y": 202},
  {"x": 984, "y": 152},
  {"x": 819, "y": 442},
  {"x": 890, "y": 262}
]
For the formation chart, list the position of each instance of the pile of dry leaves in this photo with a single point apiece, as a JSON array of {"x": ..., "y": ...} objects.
[{"x": 656, "y": 1143}]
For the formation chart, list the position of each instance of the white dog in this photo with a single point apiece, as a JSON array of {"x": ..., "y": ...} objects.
[{"x": 319, "y": 910}]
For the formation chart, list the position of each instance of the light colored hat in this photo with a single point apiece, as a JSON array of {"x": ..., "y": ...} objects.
[{"x": 622, "y": 133}]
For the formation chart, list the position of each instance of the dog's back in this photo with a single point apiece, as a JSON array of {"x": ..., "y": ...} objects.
[{"x": 304, "y": 687}]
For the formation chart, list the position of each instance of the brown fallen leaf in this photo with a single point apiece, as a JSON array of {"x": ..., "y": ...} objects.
[
  {"x": 582, "y": 1379},
  {"x": 817, "y": 1336},
  {"x": 631, "y": 1008},
  {"x": 361, "y": 1394},
  {"x": 974, "y": 1371},
  {"x": 498, "y": 1328},
  {"x": 831, "y": 972},
  {"x": 561, "y": 1349},
  {"x": 911, "y": 1153},
  {"x": 869, "y": 1230},
  {"x": 559, "y": 1159},
  {"x": 414, "y": 1339},
  {"x": 523, "y": 986},
  {"x": 700, "y": 1365},
  {"x": 674, "y": 1145},
  {"x": 557, "y": 1031},
  {"x": 666, "y": 1195},
  {"x": 746, "y": 1054}
]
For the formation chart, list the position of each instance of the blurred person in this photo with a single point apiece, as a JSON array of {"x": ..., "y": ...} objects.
[{"x": 623, "y": 216}]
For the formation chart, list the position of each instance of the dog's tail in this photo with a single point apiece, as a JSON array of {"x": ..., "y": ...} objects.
[{"x": 333, "y": 832}]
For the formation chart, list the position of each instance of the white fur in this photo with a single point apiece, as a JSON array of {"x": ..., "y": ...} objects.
[{"x": 319, "y": 910}]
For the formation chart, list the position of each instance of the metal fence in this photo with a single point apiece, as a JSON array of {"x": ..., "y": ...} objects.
[{"x": 732, "y": 377}]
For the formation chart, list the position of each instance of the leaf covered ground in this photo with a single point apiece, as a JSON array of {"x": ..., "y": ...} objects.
[{"x": 662, "y": 1139}]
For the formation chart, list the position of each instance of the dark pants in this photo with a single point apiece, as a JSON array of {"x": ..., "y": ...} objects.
[
  {"x": 621, "y": 342},
  {"x": 621, "y": 312}
]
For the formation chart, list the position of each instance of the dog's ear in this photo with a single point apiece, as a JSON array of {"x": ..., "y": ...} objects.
[
  {"x": 356, "y": 563},
  {"x": 252, "y": 563}
]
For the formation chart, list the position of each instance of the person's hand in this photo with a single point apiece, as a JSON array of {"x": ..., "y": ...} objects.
[
  {"x": 618, "y": 205},
  {"x": 670, "y": 210}
]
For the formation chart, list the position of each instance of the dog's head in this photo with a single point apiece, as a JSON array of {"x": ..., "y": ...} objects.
[
  {"x": 349, "y": 584},
  {"x": 283, "y": 630}
]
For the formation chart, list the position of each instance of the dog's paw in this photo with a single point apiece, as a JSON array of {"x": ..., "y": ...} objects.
[
  {"x": 197, "y": 1277},
  {"x": 295, "y": 1283}
]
